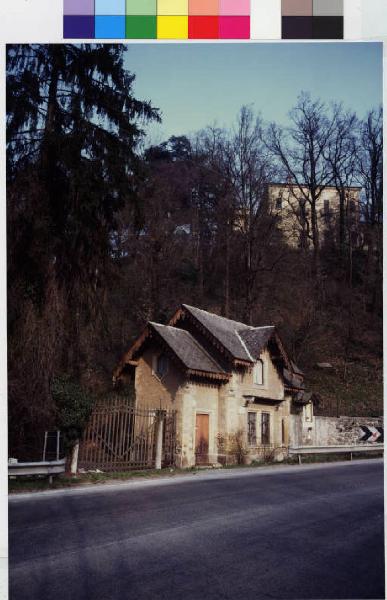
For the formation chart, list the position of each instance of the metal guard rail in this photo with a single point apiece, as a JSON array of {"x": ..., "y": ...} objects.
[
  {"x": 305, "y": 450},
  {"x": 50, "y": 468}
]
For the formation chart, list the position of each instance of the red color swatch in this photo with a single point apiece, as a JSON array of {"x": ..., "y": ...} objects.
[
  {"x": 203, "y": 28},
  {"x": 234, "y": 28}
]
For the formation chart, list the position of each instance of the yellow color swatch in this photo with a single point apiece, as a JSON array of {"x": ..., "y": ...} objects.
[
  {"x": 172, "y": 28},
  {"x": 172, "y": 7}
]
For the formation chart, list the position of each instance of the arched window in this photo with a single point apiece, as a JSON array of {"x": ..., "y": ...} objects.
[
  {"x": 258, "y": 373},
  {"x": 161, "y": 366}
]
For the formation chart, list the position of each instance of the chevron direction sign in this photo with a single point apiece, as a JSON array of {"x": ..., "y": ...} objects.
[{"x": 371, "y": 434}]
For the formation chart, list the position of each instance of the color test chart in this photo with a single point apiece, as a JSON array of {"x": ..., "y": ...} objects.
[
  {"x": 312, "y": 19},
  {"x": 157, "y": 19}
]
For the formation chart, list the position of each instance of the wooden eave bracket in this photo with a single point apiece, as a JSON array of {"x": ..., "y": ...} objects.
[
  {"x": 127, "y": 359},
  {"x": 238, "y": 362},
  {"x": 179, "y": 314},
  {"x": 208, "y": 375},
  {"x": 283, "y": 352}
]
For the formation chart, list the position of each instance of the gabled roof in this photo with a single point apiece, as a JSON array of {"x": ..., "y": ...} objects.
[
  {"x": 241, "y": 343},
  {"x": 187, "y": 349},
  {"x": 228, "y": 332},
  {"x": 256, "y": 338}
]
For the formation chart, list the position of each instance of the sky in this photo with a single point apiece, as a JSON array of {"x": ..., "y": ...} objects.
[{"x": 195, "y": 85}]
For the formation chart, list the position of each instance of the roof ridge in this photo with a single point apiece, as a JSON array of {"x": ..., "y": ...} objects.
[
  {"x": 262, "y": 327},
  {"x": 245, "y": 325},
  {"x": 215, "y": 315},
  {"x": 244, "y": 345}
]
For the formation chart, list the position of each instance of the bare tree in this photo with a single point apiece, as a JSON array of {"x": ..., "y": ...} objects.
[
  {"x": 342, "y": 157},
  {"x": 247, "y": 166},
  {"x": 370, "y": 165},
  {"x": 301, "y": 151}
]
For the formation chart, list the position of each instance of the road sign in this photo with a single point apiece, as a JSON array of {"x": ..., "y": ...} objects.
[{"x": 371, "y": 434}]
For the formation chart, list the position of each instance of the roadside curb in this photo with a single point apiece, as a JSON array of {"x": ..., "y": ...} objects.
[{"x": 205, "y": 475}]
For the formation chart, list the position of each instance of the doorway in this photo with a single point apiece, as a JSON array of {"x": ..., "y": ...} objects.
[{"x": 202, "y": 438}]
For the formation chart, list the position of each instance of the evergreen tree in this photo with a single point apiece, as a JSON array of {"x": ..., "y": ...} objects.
[{"x": 73, "y": 128}]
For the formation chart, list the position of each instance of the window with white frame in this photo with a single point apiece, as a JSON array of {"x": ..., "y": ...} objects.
[{"x": 258, "y": 375}]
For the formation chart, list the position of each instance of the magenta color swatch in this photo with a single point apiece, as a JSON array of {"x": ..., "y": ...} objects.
[
  {"x": 234, "y": 28},
  {"x": 234, "y": 7},
  {"x": 79, "y": 7}
]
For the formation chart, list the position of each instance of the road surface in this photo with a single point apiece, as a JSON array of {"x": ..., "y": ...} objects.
[{"x": 284, "y": 532}]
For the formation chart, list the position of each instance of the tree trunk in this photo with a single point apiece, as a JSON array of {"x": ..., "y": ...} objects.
[
  {"x": 316, "y": 244},
  {"x": 342, "y": 224},
  {"x": 227, "y": 278}
]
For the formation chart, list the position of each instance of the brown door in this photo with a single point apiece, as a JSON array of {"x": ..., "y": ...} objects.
[{"x": 202, "y": 437}]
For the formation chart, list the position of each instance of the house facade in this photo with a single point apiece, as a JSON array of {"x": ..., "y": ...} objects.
[
  {"x": 233, "y": 386},
  {"x": 288, "y": 203}
]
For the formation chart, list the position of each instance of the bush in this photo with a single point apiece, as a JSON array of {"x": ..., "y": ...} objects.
[{"x": 74, "y": 405}]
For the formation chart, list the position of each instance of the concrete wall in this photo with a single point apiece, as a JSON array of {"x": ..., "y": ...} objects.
[{"x": 329, "y": 431}]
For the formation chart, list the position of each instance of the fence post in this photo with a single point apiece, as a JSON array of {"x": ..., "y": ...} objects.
[
  {"x": 159, "y": 440},
  {"x": 74, "y": 458}
]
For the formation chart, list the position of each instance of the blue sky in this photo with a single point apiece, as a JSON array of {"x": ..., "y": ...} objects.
[{"x": 195, "y": 85}]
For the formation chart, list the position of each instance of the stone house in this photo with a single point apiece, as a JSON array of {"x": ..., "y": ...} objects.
[
  {"x": 233, "y": 386},
  {"x": 287, "y": 202}
]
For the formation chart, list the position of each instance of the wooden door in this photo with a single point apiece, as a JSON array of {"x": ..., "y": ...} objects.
[{"x": 202, "y": 438}]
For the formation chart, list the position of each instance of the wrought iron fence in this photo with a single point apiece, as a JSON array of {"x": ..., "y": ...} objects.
[{"x": 122, "y": 437}]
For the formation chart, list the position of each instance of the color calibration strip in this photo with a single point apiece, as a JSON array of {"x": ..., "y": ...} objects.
[
  {"x": 156, "y": 19},
  {"x": 312, "y": 19}
]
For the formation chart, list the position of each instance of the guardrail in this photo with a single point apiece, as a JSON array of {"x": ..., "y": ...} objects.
[
  {"x": 356, "y": 448},
  {"x": 49, "y": 468}
]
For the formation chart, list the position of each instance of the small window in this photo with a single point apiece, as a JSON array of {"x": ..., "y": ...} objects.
[
  {"x": 258, "y": 373},
  {"x": 283, "y": 432},
  {"x": 278, "y": 203},
  {"x": 265, "y": 428},
  {"x": 252, "y": 428},
  {"x": 161, "y": 366}
]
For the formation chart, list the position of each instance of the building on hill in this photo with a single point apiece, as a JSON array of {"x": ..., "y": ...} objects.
[
  {"x": 288, "y": 203},
  {"x": 233, "y": 386}
]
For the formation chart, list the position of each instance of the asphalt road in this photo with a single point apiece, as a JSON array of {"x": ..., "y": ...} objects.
[{"x": 295, "y": 532}]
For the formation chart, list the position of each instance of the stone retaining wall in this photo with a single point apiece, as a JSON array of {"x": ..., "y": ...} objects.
[{"x": 329, "y": 431}]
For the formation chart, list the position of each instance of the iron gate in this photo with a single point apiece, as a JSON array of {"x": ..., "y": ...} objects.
[{"x": 121, "y": 437}]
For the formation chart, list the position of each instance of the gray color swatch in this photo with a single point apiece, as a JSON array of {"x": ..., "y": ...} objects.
[{"x": 330, "y": 8}]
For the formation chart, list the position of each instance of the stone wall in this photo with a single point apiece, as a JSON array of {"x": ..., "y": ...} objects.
[
  {"x": 152, "y": 392},
  {"x": 272, "y": 386},
  {"x": 197, "y": 398},
  {"x": 329, "y": 431}
]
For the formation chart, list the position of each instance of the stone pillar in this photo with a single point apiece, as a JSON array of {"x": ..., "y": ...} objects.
[
  {"x": 159, "y": 441},
  {"x": 74, "y": 458}
]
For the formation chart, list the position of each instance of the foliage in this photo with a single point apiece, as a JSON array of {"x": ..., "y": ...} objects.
[
  {"x": 74, "y": 405},
  {"x": 233, "y": 446},
  {"x": 73, "y": 131}
]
